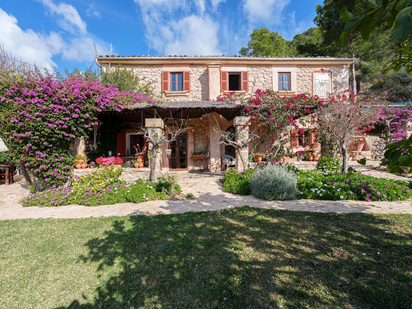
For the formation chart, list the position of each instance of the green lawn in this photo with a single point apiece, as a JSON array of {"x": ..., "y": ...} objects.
[{"x": 240, "y": 258}]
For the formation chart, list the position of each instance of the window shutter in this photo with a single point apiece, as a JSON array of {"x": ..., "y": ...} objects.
[
  {"x": 121, "y": 144},
  {"x": 165, "y": 80},
  {"x": 245, "y": 81},
  {"x": 186, "y": 81},
  {"x": 294, "y": 139},
  {"x": 224, "y": 83}
]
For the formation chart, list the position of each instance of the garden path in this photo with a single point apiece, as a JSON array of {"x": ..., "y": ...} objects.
[{"x": 208, "y": 196}]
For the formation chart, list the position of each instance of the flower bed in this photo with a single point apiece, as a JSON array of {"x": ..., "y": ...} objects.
[
  {"x": 103, "y": 188},
  {"x": 316, "y": 185},
  {"x": 329, "y": 185}
]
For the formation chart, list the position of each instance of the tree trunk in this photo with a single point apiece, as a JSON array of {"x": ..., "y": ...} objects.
[
  {"x": 345, "y": 160},
  {"x": 26, "y": 175},
  {"x": 353, "y": 76},
  {"x": 241, "y": 159},
  {"x": 152, "y": 164}
]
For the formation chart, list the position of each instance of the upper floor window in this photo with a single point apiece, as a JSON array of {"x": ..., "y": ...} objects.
[
  {"x": 284, "y": 82},
  {"x": 234, "y": 81},
  {"x": 176, "y": 81}
]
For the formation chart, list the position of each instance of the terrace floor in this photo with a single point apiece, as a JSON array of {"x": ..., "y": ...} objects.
[{"x": 208, "y": 196}]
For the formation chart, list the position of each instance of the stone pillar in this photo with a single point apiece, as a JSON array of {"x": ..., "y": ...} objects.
[
  {"x": 213, "y": 70},
  {"x": 155, "y": 127},
  {"x": 215, "y": 159},
  {"x": 241, "y": 124}
]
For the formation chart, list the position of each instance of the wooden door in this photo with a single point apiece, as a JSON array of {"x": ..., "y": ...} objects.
[{"x": 178, "y": 158}]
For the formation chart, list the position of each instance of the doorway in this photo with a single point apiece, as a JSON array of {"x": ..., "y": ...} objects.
[{"x": 178, "y": 158}]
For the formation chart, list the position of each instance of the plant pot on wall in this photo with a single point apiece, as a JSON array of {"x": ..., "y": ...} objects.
[
  {"x": 136, "y": 165},
  {"x": 257, "y": 159}
]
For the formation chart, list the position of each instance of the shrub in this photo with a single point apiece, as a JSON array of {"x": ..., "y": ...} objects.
[
  {"x": 237, "y": 182},
  {"x": 274, "y": 182},
  {"x": 316, "y": 185},
  {"x": 329, "y": 165},
  {"x": 168, "y": 184}
]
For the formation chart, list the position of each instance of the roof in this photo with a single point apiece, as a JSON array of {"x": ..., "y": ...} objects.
[
  {"x": 179, "y": 109},
  {"x": 216, "y": 58}
]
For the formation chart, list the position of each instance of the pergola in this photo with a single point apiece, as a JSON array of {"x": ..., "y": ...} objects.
[{"x": 177, "y": 110}]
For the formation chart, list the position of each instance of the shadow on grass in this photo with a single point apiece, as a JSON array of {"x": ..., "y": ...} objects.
[{"x": 253, "y": 258}]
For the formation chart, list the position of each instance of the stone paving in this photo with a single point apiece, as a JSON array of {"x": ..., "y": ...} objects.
[{"x": 208, "y": 196}]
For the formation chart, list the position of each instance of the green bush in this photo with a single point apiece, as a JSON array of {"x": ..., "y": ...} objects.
[
  {"x": 168, "y": 184},
  {"x": 316, "y": 185},
  {"x": 274, "y": 182},
  {"x": 329, "y": 165},
  {"x": 237, "y": 182}
]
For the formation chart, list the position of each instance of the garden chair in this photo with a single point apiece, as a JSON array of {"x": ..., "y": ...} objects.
[{"x": 228, "y": 161}]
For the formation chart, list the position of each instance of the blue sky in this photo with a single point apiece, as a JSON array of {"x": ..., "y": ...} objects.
[{"x": 34, "y": 30}]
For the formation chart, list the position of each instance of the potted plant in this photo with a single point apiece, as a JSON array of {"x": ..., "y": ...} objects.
[
  {"x": 169, "y": 152},
  {"x": 128, "y": 164},
  {"x": 310, "y": 156},
  {"x": 135, "y": 164},
  {"x": 92, "y": 164},
  {"x": 80, "y": 159},
  {"x": 358, "y": 144},
  {"x": 118, "y": 162},
  {"x": 199, "y": 154},
  {"x": 257, "y": 157}
]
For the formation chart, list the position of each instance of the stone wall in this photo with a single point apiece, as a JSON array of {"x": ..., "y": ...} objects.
[
  {"x": 260, "y": 77},
  {"x": 340, "y": 78}
]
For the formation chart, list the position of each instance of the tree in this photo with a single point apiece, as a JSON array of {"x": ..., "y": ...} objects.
[
  {"x": 342, "y": 118},
  {"x": 265, "y": 43},
  {"x": 156, "y": 139},
  {"x": 392, "y": 15},
  {"x": 372, "y": 57},
  {"x": 238, "y": 140}
]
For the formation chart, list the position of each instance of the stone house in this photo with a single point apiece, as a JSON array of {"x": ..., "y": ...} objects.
[{"x": 191, "y": 85}]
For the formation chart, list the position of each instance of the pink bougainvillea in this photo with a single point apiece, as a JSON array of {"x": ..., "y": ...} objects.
[{"x": 41, "y": 117}]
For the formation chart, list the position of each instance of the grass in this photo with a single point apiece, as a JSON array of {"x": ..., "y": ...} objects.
[{"x": 239, "y": 258}]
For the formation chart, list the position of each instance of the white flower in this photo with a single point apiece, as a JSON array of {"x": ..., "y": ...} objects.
[
  {"x": 341, "y": 196},
  {"x": 320, "y": 194},
  {"x": 301, "y": 192}
]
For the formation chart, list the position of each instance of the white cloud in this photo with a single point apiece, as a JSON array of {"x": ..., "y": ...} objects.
[
  {"x": 27, "y": 45},
  {"x": 69, "y": 18},
  {"x": 190, "y": 37},
  {"x": 215, "y": 3},
  {"x": 269, "y": 11},
  {"x": 91, "y": 11},
  {"x": 174, "y": 28},
  {"x": 40, "y": 48}
]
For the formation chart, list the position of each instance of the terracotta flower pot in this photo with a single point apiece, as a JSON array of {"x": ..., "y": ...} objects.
[
  {"x": 91, "y": 166},
  {"x": 136, "y": 165},
  {"x": 310, "y": 158},
  {"x": 141, "y": 164},
  {"x": 358, "y": 146},
  {"x": 84, "y": 165},
  {"x": 257, "y": 159},
  {"x": 81, "y": 161},
  {"x": 78, "y": 166}
]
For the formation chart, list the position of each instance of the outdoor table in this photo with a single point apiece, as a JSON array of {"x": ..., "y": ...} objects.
[{"x": 7, "y": 168}]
